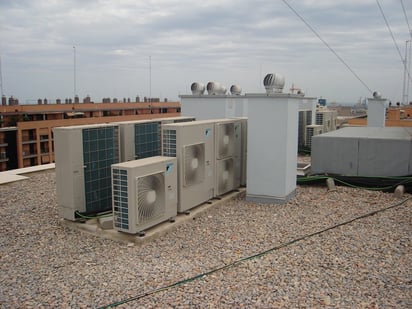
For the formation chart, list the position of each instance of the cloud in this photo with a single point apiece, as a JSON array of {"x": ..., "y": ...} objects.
[{"x": 228, "y": 41}]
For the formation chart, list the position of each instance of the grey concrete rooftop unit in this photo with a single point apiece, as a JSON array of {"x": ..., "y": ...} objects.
[{"x": 363, "y": 151}]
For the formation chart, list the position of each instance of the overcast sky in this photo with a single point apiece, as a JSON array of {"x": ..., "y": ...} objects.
[{"x": 232, "y": 42}]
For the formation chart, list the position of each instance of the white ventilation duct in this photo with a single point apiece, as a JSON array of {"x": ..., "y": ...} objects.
[
  {"x": 214, "y": 88},
  {"x": 235, "y": 90},
  {"x": 274, "y": 83},
  {"x": 197, "y": 88}
]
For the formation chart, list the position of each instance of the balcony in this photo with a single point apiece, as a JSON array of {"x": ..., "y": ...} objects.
[{"x": 27, "y": 155}]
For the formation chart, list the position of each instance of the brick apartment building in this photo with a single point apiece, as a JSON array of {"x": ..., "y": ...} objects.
[
  {"x": 26, "y": 131},
  {"x": 395, "y": 117}
]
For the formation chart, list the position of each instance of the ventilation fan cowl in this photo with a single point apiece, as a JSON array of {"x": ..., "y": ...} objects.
[
  {"x": 376, "y": 95},
  {"x": 235, "y": 90},
  {"x": 197, "y": 88},
  {"x": 274, "y": 83},
  {"x": 214, "y": 88}
]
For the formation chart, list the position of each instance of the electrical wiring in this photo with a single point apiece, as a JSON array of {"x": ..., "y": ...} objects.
[
  {"x": 393, "y": 39},
  {"x": 251, "y": 257},
  {"x": 382, "y": 183},
  {"x": 327, "y": 45},
  {"x": 406, "y": 18},
  {"x": 92, "y": 217}
]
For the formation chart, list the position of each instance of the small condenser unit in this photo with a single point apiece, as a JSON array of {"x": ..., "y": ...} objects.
[
  {"x": 228, "y": 146},
  {"x": 312, "y": 130},
  {"x": 144, "y": 193},
  {"x": 243, "y": 171}
]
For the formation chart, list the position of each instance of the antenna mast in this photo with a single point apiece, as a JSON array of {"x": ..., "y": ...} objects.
[
  {"x": 74, "y": 72},
  {"x": 1, "y": 79},
  {"x": 150, "y": 79}
]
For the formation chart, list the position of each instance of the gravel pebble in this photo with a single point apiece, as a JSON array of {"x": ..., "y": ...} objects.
[{"x": 364, "y": 264}]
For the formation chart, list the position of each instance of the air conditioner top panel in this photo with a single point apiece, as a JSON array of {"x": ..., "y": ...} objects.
[
  {"x": 154, "y": 120},
  {"x": 86, "y": 126},
  {"x": 178, "y": 118},
  {"x": 143, "y": 162},
  {"x": 314, "y": 126},
  {"x": 224, "y": 120},
  {"x": 188, "y": 124},
  {"x": 139, "y": 121}
]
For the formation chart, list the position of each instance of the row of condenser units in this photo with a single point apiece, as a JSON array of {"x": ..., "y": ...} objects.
[{"x": 147, "y": 171}]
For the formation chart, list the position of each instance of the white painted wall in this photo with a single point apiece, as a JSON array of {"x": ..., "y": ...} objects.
[
  {"x": 272, "y": 147},
  {"x": 376, "y": 112}
]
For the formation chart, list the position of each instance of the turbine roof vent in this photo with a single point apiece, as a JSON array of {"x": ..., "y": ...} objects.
[
  {"x": 376, "y": 95},
  {"x": 235, "y": 90},
  {"x": 214, "y": 88},
  {"x": 197, "y": 88},
  {"x": 274, "y": 83}
]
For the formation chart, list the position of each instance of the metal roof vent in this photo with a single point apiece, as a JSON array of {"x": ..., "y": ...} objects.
[
  {"x": 197, "y": 88},
  {"x": 235, "y": 90},
  {"x": 274, "y": 83},
  {"x": 376, "y": 95},
  {"x": 301, "y": 93},
  {"x": 214, "y": 88}
]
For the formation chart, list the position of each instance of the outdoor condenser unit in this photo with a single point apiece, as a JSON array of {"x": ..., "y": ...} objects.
[
  {"x": 83, "y": 156},
  {"x": 193, "y": 144},
  {"x": 144, "y": 193}
]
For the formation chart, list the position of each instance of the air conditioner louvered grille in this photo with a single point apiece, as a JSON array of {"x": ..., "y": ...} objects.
[
  {"x": 100, "y": 151},
  {"x": 120, "y": 199},
  {"x": 169, "y": 143},
  {"x": 150, "y": 197},
  {"x": 194, "y": 164},
  {"x": 147, "y": 139}
]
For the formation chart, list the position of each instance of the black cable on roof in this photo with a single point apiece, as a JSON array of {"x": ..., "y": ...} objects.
[{"x": 251, "y": 257}]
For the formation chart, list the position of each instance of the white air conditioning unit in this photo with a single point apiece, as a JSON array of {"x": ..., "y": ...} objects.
[
  {"x": 177, "y": 119},
  {"x": 228, "y": 145},
  {"x": 243, "y": 156},
  {"x": 305, "y": 118},
  {"x": 83, "y": 157},
  {"x": 192, "y": 143},
  {"x": 141, "y": 139},
  {"x": 225, "y": 175},
  {"x": 144, "y": 193},
  {"x": 312, "y": 130},
  {"x": 225, "y": 138}
]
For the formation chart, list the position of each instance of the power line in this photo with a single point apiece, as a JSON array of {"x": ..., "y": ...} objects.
[
  {"x": 389, "y": 29},
  {"x": 406, "y": 18},
  {"x": 328, "y": 46},
  {"x": 403, "y": 60},
  {"x": 407, "y": 56}
]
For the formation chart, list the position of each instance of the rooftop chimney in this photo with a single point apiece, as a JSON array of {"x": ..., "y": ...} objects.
[{"x": 376, "y": 111}]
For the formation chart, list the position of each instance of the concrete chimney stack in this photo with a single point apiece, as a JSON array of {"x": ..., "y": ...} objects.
[{"x": 376, "y": 111}]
